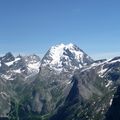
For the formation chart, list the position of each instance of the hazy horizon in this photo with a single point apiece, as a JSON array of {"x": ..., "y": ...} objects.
[{"x": 96, "y": 56}]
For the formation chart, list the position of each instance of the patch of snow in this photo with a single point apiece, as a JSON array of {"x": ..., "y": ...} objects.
[
  {"x": 114, "y": 61},
  {"x": 95, "y": 64},
  {"x": 78, "y": 54},
  {"x": 92, "y": 66},
  {"x": 102, "y": 71},
  {"x": 68, "y": 82},
  {"x": 17, "y": 71},
  {"x": 34, "y": 66},
  {"x": 11, "y": 63},
  {"x": 56, "y": 52},
  {"x": 7, "y": 77},
  {"x": 111, "y": 101},
  {"x": 16, "y": 59},
  {"x": 109, "y": 83},
  {"x": 58, "y": 70}
]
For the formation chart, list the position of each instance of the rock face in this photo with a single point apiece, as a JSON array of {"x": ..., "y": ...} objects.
[{"x": 66, "y": 84}]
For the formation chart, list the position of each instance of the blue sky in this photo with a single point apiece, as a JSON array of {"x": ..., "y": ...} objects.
[{"x": 32, "y": 26}]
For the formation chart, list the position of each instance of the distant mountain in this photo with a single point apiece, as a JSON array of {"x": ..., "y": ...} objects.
[
  {"x": 10, "y": 66},
  {"x": 66, "y": 84}
]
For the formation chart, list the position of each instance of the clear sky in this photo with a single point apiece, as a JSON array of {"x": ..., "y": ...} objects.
[{"x": 32, "y": 26}]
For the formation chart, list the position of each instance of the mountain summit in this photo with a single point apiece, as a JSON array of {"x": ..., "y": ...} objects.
[{"x": 66, "y": 57}]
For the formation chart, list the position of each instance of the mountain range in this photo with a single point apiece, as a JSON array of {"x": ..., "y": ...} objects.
[{"x": 66, "y": 84}]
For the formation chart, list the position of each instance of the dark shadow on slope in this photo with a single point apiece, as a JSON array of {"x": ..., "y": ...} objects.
[
  {"x": 67, "y": 109},
  {"x": 114, "y": 111}
]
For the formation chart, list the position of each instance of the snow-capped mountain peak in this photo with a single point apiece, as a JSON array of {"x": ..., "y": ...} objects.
[
  {"x": 65, "y": 56},
  {"x": 58, "y": 51}
]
